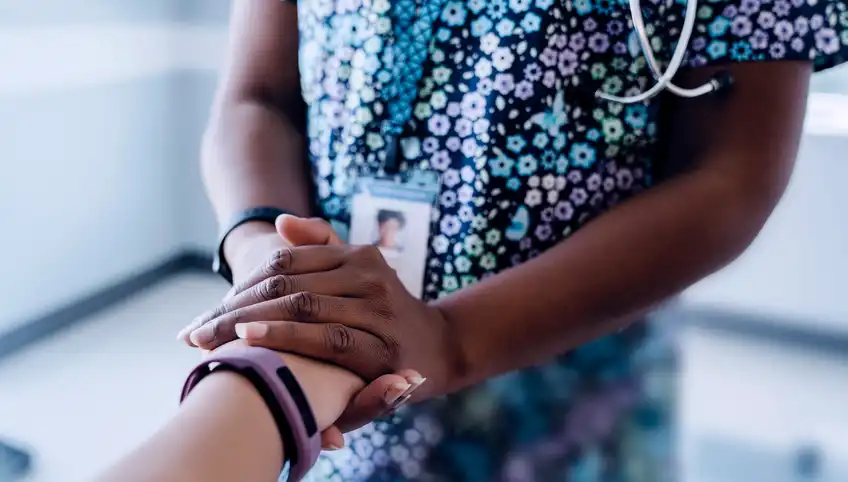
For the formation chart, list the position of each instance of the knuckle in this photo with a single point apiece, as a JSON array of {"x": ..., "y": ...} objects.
[
  {"x": 239, "y": 287},
  {"x": 339, "y": 338},
  {"x": 287, "y": 286},
  {"x": 219, "y": 311},
  {"x": 302, "y": 305},
  {"x": 382, "y": 310},
  {"x": 373, "y": 284},
  {"x": 280, "y": 262},
  {"x": 368, "y": 254},
  {"x": 267, "y": 290},
  {"x": 275, "y": 287}
]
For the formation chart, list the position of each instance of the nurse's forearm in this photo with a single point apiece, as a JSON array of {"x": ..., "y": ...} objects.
[
  {"x": 254, "y": 155},
  {"x": 254, "y": 148},
  {"x": 603, "y": 277}
]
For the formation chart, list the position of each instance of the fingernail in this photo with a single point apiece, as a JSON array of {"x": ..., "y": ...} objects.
[
  {"x": 252, "y": 331},
  {"x": 203, "y": 335},
  {"x": 405, "y": 396},
  {"x": 333, "y": 447},
  {"x": 395, "y": 391},
  {"x": 415, "y": 381},
  {"x": 399, "y": 403}
]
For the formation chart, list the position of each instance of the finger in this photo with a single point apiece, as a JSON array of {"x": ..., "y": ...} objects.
[
  {"x": 227, "y": 305},
  {"x": 184, "y": 334},
  {"x": 357, "y": 350},
  {"x": 292, "y": 261},
  {"x": 332, "y": 438},
  {"x": 378, "y": 398},
  {"x": 298, "y": 231},
  {"x": 338, "y": 283},
  {"x": 306, "y": 231},
  {"x": 305, "y": 307}
]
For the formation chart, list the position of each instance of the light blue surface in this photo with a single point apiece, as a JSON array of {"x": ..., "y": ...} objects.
[
  {"x": 88, "y": 172},
  {"x": 40, "y": 13},
  {"x": 727, "y": 460}
]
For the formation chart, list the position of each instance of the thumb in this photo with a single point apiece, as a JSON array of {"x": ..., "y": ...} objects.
[
  {"x": 306, "y": 231},
  {"x": 378, "y": 398},
  {"x": 332, "y": 438}
]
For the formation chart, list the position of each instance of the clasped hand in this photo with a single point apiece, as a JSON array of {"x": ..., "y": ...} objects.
[{"x": 337, "y": 303}]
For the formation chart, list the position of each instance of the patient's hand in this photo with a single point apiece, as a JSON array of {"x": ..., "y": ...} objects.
[{"x": 328, "y": 388}]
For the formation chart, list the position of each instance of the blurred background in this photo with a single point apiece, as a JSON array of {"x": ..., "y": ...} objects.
[{"x": 106, "y": 236}]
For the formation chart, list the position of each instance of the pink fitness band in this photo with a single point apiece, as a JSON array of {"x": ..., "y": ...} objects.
[{"x": 281, "y": 392}]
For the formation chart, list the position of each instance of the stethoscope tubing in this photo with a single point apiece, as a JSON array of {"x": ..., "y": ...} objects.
[{"x": 663, "y": 79}]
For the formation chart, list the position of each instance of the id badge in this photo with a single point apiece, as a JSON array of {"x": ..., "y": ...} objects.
[{"x": 396, "y": 218}]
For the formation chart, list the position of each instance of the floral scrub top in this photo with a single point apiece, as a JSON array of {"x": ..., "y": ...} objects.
[{"x": 504, "y": 110}]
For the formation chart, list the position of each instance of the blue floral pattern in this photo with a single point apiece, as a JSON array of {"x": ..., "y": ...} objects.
[{"x": 504, "y": 110}]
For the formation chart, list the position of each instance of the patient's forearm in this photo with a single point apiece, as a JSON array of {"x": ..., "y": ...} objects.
[{"x": 224, "y": 432}]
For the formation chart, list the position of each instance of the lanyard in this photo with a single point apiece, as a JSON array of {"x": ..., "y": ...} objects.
[{"x": 413, "y": 28}]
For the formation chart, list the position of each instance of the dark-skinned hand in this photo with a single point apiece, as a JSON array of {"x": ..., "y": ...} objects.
[
  {"x": 266, "y": 309},
  {"x": 338, "y": 303}
]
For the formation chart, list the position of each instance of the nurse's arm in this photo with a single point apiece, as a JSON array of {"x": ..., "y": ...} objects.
[
  {"x": 253, "y": 151},
  {"x": 735, "y": 157}
]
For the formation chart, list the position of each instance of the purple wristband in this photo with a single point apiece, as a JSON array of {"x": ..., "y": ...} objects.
[{"x": 281, "y": 392}]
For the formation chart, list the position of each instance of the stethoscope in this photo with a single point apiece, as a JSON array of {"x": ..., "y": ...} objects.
[{"x": 718, "y": 82}]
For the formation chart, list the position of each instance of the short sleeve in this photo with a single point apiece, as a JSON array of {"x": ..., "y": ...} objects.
[{"x": 767, "y": 30}]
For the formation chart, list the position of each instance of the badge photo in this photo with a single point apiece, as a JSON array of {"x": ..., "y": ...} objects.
[{"x": 395, "y": 217}]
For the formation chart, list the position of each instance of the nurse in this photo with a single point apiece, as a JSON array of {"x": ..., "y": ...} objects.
[{"x": 542, "y": 222}]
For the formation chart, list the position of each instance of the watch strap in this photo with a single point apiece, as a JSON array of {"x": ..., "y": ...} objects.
[
  {"x": 261, "y": 213},
  {"x": 281, "y": 392}
]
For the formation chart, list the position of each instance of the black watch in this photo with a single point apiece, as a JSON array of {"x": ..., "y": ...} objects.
[{"x": 264, "y": 213}]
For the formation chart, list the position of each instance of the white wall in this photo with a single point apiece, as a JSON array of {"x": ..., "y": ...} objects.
[
  {"x": 797, "y": 269},
  {"x": 199, "y": 229},
  {"x": 748, "y": 406},
  {"x": 99, "y": 127},
  {"x": 87, "y": 178}
]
